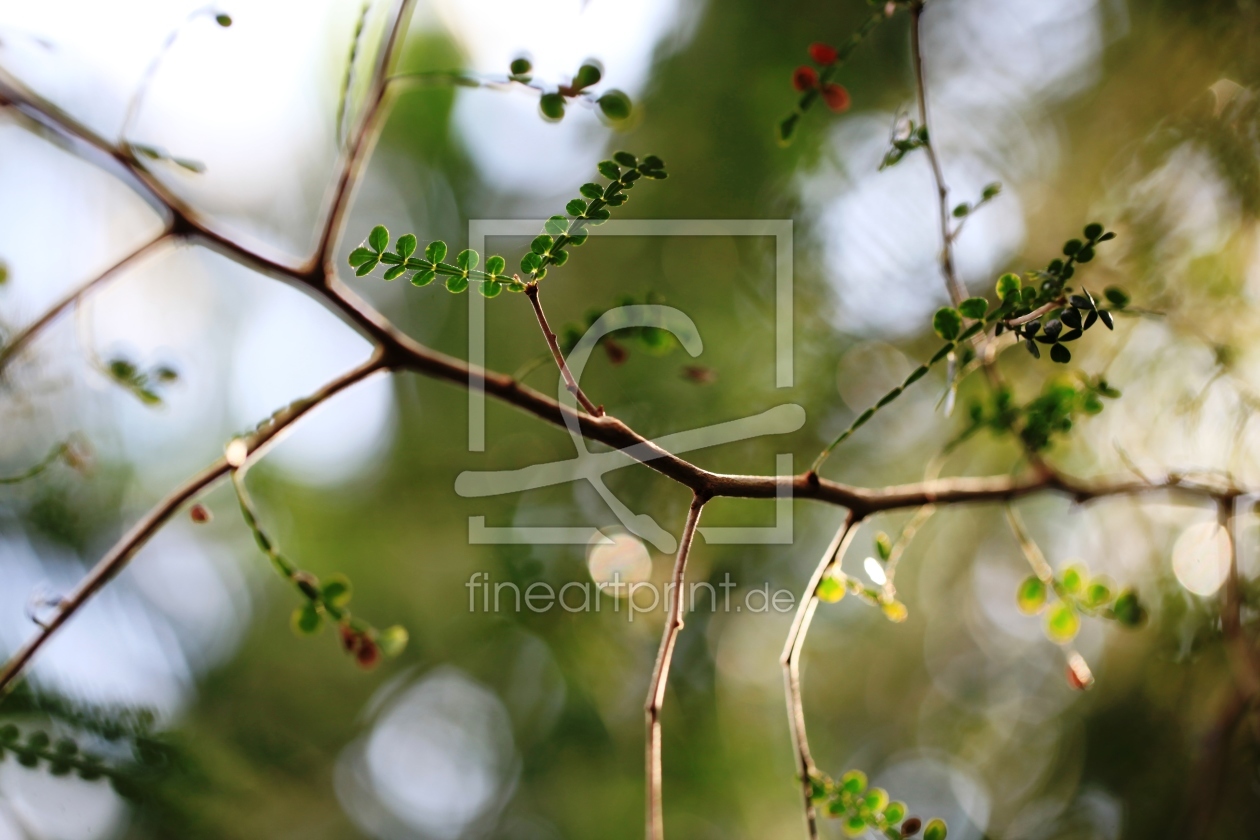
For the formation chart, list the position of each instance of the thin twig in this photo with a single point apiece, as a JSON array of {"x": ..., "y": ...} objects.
[
  {"x": 21, "y": 339},
  {"x": 531, "y": 291},
  {"x": 55, "y": 454},
  {"x": 1032, "y": 552},
  {"x": 791, "y": 662},
  {"x": 121, "y": 553},
  {"x": 660, "y": 673},
  {"x": 956, "y": 291}
]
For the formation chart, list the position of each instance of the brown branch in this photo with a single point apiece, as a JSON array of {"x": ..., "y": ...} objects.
[
  {"x": 956, "y": 290},
  {"x": 660, "y": 673},
  {"x": 121, "y": 553},
  {"x": 570, "y": 384},
  {"x": 791, "y": 662},
  {"x": 22, "y": 338}
]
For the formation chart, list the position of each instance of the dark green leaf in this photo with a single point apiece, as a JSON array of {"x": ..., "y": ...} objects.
[
  {"x": 423, "y": 278},
  {"x": 947, "y": 322},
  {"x": 467, "y": 259},
  {"x": 435, "y": 252},
  {"x": 609, "y": 170},
  {"x": 366, "y": 268},
  {"x": 541, "y": 244},
  {"x": 406, "y": 245},
  {"x": 576, "y": 207},
  {"x": 587, "y": 75},
  {"x": 592, "y": 191},
  {"x": 1093, "y": 230},
  {"x": 615, "y": 105},
  {"x": 495, "y": 265},
  {"x": 1117, "y": 296},
  {"x": 552, "y": 106},
  {"x": 394, "y": 272},
  {"x": 378, "y": 239},
  {"x": 456, "y": 284},
  {"x": 491, "y": 288},
  {"x": 359, "y": 256},
  {"x": 520, "y": 66},
  {"x": 974, "y": 308}
]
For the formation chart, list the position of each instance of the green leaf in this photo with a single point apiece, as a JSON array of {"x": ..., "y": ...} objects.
[
  {"x": 1128, "y": 609},
  {"x": 895, "y": 812},
  {"x": 876, "y": 799},
  {"x": 883, "y": 546},
  {"x": 787, "y": 128},
  {"x": 830, "y": 590},
  {"x": 467, "y": 259},
  {"x": 378, "y": 239},
  {"x": 406, "y": 245},
  {"x": 1008, "y": 284},
  {"x": 367, "y": 268},
  {"x": 530, "y": 262},
  {"x": 435, "y": 252},
  {"x": 576, "y": 207},
  {"x": 935, "y": 830},
  {"x": 626, "y": 159},
  {"x": 423, "y": 278},
  {"x": 394, "y": 272},
  {"x": 1073, "y": 578},
  {"x": 947, "y": 322},
  {"x": 223, "y": 20},
  {"x": 1062, "y": 622},
  {"x": 306, "y": 620},
  {"x": 1116, "y": 296},
  {"x": 1031, "y": 595},
  {"x": 495, "y": 265},
  {"x": 974, "y": 308},
  {"x": 521, "y": 66},
  {"x": 359, "y": 256},
  {"x": 1093, "y": 230},
  {"x": 1099, "y": 592},
  {"x": 337, "y": 591},
  {"x": 962, "y": 210},
  {"x": 991, "y": 191},
  {"x": 587, "y": 75},
  {"x": 853, "y": 781},
  {"x": 541, "y": 244},
  {"x": 456, "y": 284},
  {"x": 609, "y": 170},
  {"x": 552, "y": 106},
  {"x": 855, "y": 825},
  {"x": 1072, "y": 246},
  {"x": 556, "y": 225},
  {"x": 615, "y": 105},
  {"x": 392, "y": 640},
  {"x": 491, "y": 288},
  {"x": 559, "y": 258}
]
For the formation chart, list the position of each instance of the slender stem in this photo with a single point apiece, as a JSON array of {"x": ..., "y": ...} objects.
[
  {"x": 791, "y": 662},
  {"x": 122, "y": 551},
  {"x": 956, "y": 291},
  {"x": 21, "y": 339},
  {"x": 660, "y": 673},
  {"x": 1040, "y": 566},
  {"x": 531, "y": 291},
  {"x": 44, "y": 463}
]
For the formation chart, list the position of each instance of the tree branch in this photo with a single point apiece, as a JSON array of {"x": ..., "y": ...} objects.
[
  {"x": 531, "y": 291},
  {"x": 660, "y": 673},
  {"x": 791, "y": 662},
  {"x": 121, "y": 553}
]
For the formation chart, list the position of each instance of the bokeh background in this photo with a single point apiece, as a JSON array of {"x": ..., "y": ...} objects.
[{"x": 529, "y": 726}]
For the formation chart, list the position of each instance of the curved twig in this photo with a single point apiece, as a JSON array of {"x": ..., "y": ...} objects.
[
  {"x": 791, "y": 662},
  {"x": 660, "y": 673}
]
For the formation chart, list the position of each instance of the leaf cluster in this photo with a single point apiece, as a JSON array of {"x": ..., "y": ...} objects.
[
  {"x": 1073, "y": 592},
  {"x": 145, "y": 385},
  {"x": 861, "y": 809},
  {"x": 549, "y": 248}
]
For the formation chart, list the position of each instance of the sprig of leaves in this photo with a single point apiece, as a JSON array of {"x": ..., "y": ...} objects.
[
  {"x": 553, "y": 100},
  {"x": 861, "y": 809},
  {"x": 326, "y": 600},
  {"x": 547, "y": 249},
  {"x": 141, "y": 758},
  {"x": 145, "y": 385},
  {"x": 903, "y": 141},
  {"x": 830, "y": 59},
  {"x": 948, "y": 323},
  {"x": 1073, "y": 592},
  {"x": 835, "y": 584},
  {"x": 1037, "y": 422}
]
